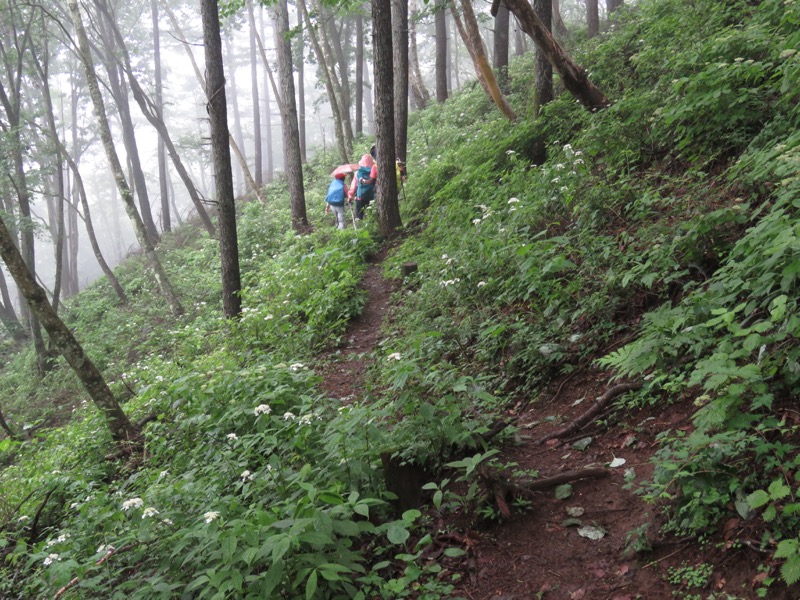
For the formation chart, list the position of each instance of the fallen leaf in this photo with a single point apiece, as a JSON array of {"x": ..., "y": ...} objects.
[
  {"x": 591, "y": 532},
  {"x": 575, "y": 511},
  {"x": 623, "y": 570},
  {"x": 578, "y": 594},
  {"x": 617, "y": 462}
]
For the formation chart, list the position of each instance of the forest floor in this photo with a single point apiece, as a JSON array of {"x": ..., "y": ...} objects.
[{"x": 541, "y": 550}]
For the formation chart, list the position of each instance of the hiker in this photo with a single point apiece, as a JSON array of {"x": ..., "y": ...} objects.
[
  {"x": 334, "y": 201},
  {"x": 363, "y": 186}
]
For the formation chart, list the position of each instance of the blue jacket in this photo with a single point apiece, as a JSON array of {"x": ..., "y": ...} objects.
[{"x": 336, "y": 192}]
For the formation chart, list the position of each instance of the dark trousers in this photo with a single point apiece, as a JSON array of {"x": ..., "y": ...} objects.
[{"x": 360, "y": 206}]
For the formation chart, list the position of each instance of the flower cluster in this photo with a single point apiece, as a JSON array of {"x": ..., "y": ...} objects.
[
  {"x": 211, "y": 515},
  {"x": 262, "y": 409},
  {"x": 132, "y": 503}
]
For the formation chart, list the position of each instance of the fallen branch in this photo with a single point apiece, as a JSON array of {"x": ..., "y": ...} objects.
[
  {"x": 74, "y": 581},
  {"x": 590, "y": 414},
  {"x": 501, "y": 488}
]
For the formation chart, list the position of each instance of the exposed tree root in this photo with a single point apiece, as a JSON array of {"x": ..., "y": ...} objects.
[{"x": 590, "y": 414}]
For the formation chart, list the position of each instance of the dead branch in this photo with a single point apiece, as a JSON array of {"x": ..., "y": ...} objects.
[
  {"x": 590, "y": 414},
  {"x": 74, "y": 581}
]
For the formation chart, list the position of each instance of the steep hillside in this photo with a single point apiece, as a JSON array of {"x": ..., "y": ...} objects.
[{"x": 652, "y": 245}]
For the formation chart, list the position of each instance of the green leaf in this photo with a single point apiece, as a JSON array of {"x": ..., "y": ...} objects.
[
  {"x": 778, "y": 489},
  {"x": 397, "y": 534},
  {"x": 453, "y": 552},
  {"x": 311, "y": 585},
  {"x": 563, "y": 491},
  {"x": 790, "y": 571},
  {"x": 758, "y": 499}
]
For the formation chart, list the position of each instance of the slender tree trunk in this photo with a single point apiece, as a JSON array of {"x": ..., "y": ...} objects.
[
  {"x": 166, "y": 223},
  {"x": 87, "y": 220},
  {"x": 420, "y": 93},
  {"x": 382, "y": 49},
  {"x": 560, "y": 30},
  {"x": 162, "y": 280},
  {"x": 359, "y": 75},
  {"x": 574, "y": 78},
  {"x": 293, "y": 165},
  {"x": 455, "y": 69},
  {"x": 400, "y": 56},
  {"x": 220, "y": 153},
  {"x": 543, "y": 80},
  {"x": 301, "y": 86},
  {"x": 121, "y": 428},
  {"x": 440, "y": 19},
  {"x": 472, "y": 39},
  {"x": 502, "y": 24},
  {"x": 8, "y": 315},
  {"x": 369, "y": 111},
  {"x": 257, "y": 150},
  {"x": 341, "y": 61},
  {"x": 234, "y": 95},
  {"x": 235, "y": 147},
  {"x": 5, "y": 427},
  {"x": 337, "y": 80},
  {"x": 592, "y": 18},
  {"x": 519, "y": 40},
  {"x": 341, "y": 138},
  {"x": 154, "y": 116}
]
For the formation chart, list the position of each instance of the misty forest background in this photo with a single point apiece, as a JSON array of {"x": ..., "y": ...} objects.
[{"x": 610, "y": 186}]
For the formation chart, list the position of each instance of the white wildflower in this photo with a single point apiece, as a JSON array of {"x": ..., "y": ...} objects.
[
  {"x": 513, "y": 200},
  {"x": 149, "y": 512},
  {"x": 211, "y": 515},
  {"x": 395, "y": 356},
  {"x": 305, "y": 419},
  {"x": 788, "y": 53},
  {"x": 262, "y": 409},
  {"x": 481, "y": 284},
  {"x": 167, "y": 522},
  {"x": 105, "y": 549},
  {"x": 296, "y": 366},
  {"x": 476, "y": 221},
  {"x": 510, "y": 152},
  {"x": 247, "y": 475},
  {"x": 51, "y": 558},
  {"x": 268, "y": 318},
  {"x": 288, "y": 416},
  {"x": 23, "y": 518},
  {"x": 132, "y": 503},
  {"x": 232, "y": 436}
]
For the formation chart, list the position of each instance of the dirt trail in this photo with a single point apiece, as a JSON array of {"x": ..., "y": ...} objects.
[
  {"x": 343, "y": 368},
  {"x": 541, "y": 550}
]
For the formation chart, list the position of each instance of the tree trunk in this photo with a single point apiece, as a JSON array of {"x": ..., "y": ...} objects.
[
  {"x": 502, "y": 26},
  {"x": 166, "y": 222},
  {"x": 472, "y": 39},
  {"x": 120, "y": 95},
  {"x": 359, "y": 75},
  {"x": 337, "y": 80},
  {"x": 592, "y": 19},
  {"x": 293, "y": 165},
  {"x": 543, "y": 80},
  {"x": 388, "y": 209},
  {"x": 341, "y": 61},
  {"x": 162, "y": 280},
  {"x": 574, "y": 78},
  {"x": 235, "y": 148},
  {"x": 8, "y": 315},
  {"x": 121, "y": 428},
  {"x": 237, "y": 119},
  {"x": 400, "y": 53},
  {"x": 151, "y": 112},
  {"x": 87, "y": 219},
  {"x": 369, "y": 112},
  {"x": 421, "y": 94},
  {"x": 301, "y": 87},
  {"x": 440, "y": 19},
  {"x": 341, "y": 139},
  {"x": 257, "y": 150},
  {"x": 454, "y": 71},
  {"x": 561, "y": 31},
  {"x": 220, "y": 153}
]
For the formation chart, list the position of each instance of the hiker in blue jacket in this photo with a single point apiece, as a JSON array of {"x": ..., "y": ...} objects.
[{"x": 337, "y": 194}]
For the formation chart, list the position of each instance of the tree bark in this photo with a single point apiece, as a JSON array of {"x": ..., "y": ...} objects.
[
  {"x": 154, "y": 116},
  {"x": 118, "y": 423},
  {"x": 400, "y": 53},
  {"x": 440, "y": 21},
  {"x": 592, "y": 19},
  {"x": 342, "y": 96},
  {"x": 502, "y": 26},
  {"x": 574, "y": 78},
  {"x": 237, "y": 119},
  {"x": 293, "y": 164},
  {"x": 359, "y": 127},
  {"x": 220, "y": 153},
  {"x": 472, "y": 39},
  {"x": 166, "y": 222},
  {"x": 388, "y": 209},
  {"x": 301, "y": 87},
  {"x": 257, "y": 149},
  {"x": 560, "y": 30},
  {"x": 162, "y": 280},
  {"x": 421, "y": 94},
  {"x": 543, "y": 78},
  {"x": 341, "y": 138},
  {"x": 7, "y": 314}
]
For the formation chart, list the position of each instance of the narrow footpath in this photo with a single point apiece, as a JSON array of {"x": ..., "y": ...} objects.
[{"x": 342, "y": 369}]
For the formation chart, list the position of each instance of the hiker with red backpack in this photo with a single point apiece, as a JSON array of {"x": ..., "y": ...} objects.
[{"x": 363, "y": 186}]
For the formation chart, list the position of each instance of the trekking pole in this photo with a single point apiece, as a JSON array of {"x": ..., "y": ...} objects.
[{"x": 352, "y": 215}]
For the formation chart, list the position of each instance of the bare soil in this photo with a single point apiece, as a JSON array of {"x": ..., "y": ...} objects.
[{"x": 539, "y": 550}]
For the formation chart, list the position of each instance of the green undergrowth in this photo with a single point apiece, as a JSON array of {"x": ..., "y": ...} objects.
[{"x": 656, "y": 239}]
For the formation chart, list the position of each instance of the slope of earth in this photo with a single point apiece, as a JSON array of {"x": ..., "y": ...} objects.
[{"x": 595, "y": 539}]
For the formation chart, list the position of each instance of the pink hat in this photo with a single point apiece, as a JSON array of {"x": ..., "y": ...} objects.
[{"x": 366, "y": 161}]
